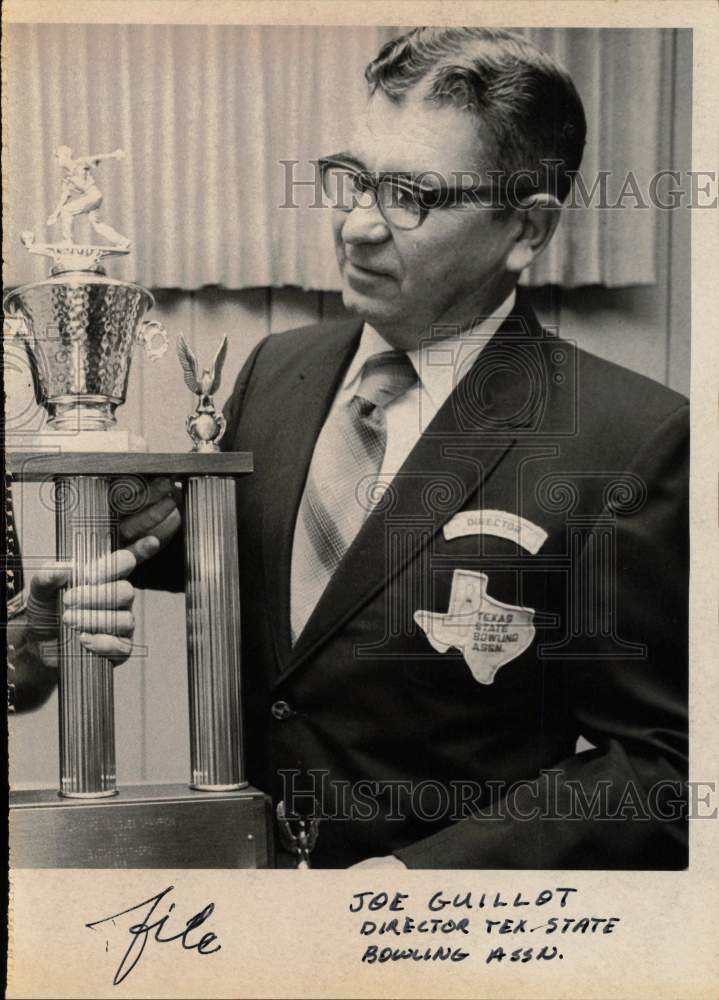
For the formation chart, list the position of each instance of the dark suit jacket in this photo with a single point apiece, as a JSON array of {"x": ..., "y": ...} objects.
[{"x": 404, "y": 750}]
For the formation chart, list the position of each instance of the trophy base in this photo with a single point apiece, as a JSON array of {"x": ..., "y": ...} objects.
[
  {"x": 56, "y": 441},
  {"x": 144, "y": 826},
  {"x": 68, "y": 256}
]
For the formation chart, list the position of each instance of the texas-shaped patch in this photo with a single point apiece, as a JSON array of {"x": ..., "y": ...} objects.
[{"x": 487, "y": 632}]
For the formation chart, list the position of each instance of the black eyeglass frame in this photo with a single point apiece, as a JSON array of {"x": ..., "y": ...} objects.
[{"x": 426, "y": 198}]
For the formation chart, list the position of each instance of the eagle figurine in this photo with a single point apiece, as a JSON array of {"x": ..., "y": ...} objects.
[{"x": 205, "y": 426}]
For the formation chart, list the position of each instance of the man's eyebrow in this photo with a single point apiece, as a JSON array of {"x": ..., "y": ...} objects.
[
  {"x": 418, "y": 177},
  {"x": 349, "y": 158}
]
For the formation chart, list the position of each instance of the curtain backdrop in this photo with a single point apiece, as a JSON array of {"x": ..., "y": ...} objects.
[{"x": 206, "y": 115}]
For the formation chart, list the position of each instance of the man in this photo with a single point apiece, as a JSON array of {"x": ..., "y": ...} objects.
[{"x": 464, "y": 544}]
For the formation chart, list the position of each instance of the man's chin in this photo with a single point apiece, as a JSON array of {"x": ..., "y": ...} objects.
[
  {"x": 368, "y": 307},
  {"x": 383, "y": 317}
]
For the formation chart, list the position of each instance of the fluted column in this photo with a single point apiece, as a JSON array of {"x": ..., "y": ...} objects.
[
  {"x": 213, "y": 632},
  {"x": 87, "y": 725}
]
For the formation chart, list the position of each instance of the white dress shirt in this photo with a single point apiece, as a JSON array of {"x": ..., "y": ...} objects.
[{"x": 439, "y": 363}]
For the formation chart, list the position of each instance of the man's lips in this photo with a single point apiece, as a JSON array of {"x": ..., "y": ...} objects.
[{"x": 374, "y": 272}]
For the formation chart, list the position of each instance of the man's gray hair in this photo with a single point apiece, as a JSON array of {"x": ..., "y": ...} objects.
[{"x": 523, "y": 98}]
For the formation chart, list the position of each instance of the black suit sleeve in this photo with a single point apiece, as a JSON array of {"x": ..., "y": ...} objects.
[
  {"x": 167, "y": 570},
  {"x": 620, "y": 804}
]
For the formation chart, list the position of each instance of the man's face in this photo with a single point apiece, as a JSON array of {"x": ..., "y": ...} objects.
[{"x": 451, "y": 269}]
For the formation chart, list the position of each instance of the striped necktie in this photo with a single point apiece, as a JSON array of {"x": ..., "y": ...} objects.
[{"x": 347, "y": 458}]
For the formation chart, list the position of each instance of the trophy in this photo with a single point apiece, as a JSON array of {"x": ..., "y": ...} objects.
[{"x": 79, "y": 328}]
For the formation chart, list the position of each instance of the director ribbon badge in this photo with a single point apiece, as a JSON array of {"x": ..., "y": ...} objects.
[
  {"x": 487, "y": 632},
  {"x": 501, "y": 523}
]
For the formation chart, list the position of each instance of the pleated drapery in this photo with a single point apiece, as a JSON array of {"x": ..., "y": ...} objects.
[{"x": 207, "y": 114}]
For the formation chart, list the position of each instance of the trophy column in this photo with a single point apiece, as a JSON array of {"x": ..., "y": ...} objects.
[
  {"x": 213, "y": 632},
  {"x": 87, "y": 727}
]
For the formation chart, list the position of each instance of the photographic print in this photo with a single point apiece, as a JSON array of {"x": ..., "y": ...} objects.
[{"x": 358, "y": 546}]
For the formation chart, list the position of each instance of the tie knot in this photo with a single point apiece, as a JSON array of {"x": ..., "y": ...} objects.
[{"x": 385, "y": 377}]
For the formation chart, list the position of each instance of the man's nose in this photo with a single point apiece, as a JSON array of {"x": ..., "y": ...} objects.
[{"x": 365, "y": 223}]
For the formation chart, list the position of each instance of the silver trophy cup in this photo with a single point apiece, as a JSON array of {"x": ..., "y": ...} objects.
[{"x": 79, "y": 330}]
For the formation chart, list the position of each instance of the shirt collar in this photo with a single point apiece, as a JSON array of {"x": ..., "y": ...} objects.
[{"x": 437, "y": 362}]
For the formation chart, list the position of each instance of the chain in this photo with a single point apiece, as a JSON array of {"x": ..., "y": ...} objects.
[{"x": 299, "y": 841}]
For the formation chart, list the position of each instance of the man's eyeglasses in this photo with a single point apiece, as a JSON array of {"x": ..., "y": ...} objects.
[{"x": 402, "y": 200}]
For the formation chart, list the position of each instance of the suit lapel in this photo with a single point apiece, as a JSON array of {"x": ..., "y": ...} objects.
[
  {"x": 468, "y": 437},
  {"x": 306, "y": 392}
]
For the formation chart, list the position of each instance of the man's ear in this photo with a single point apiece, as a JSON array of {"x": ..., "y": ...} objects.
[{"x": 539, "y": 215}]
